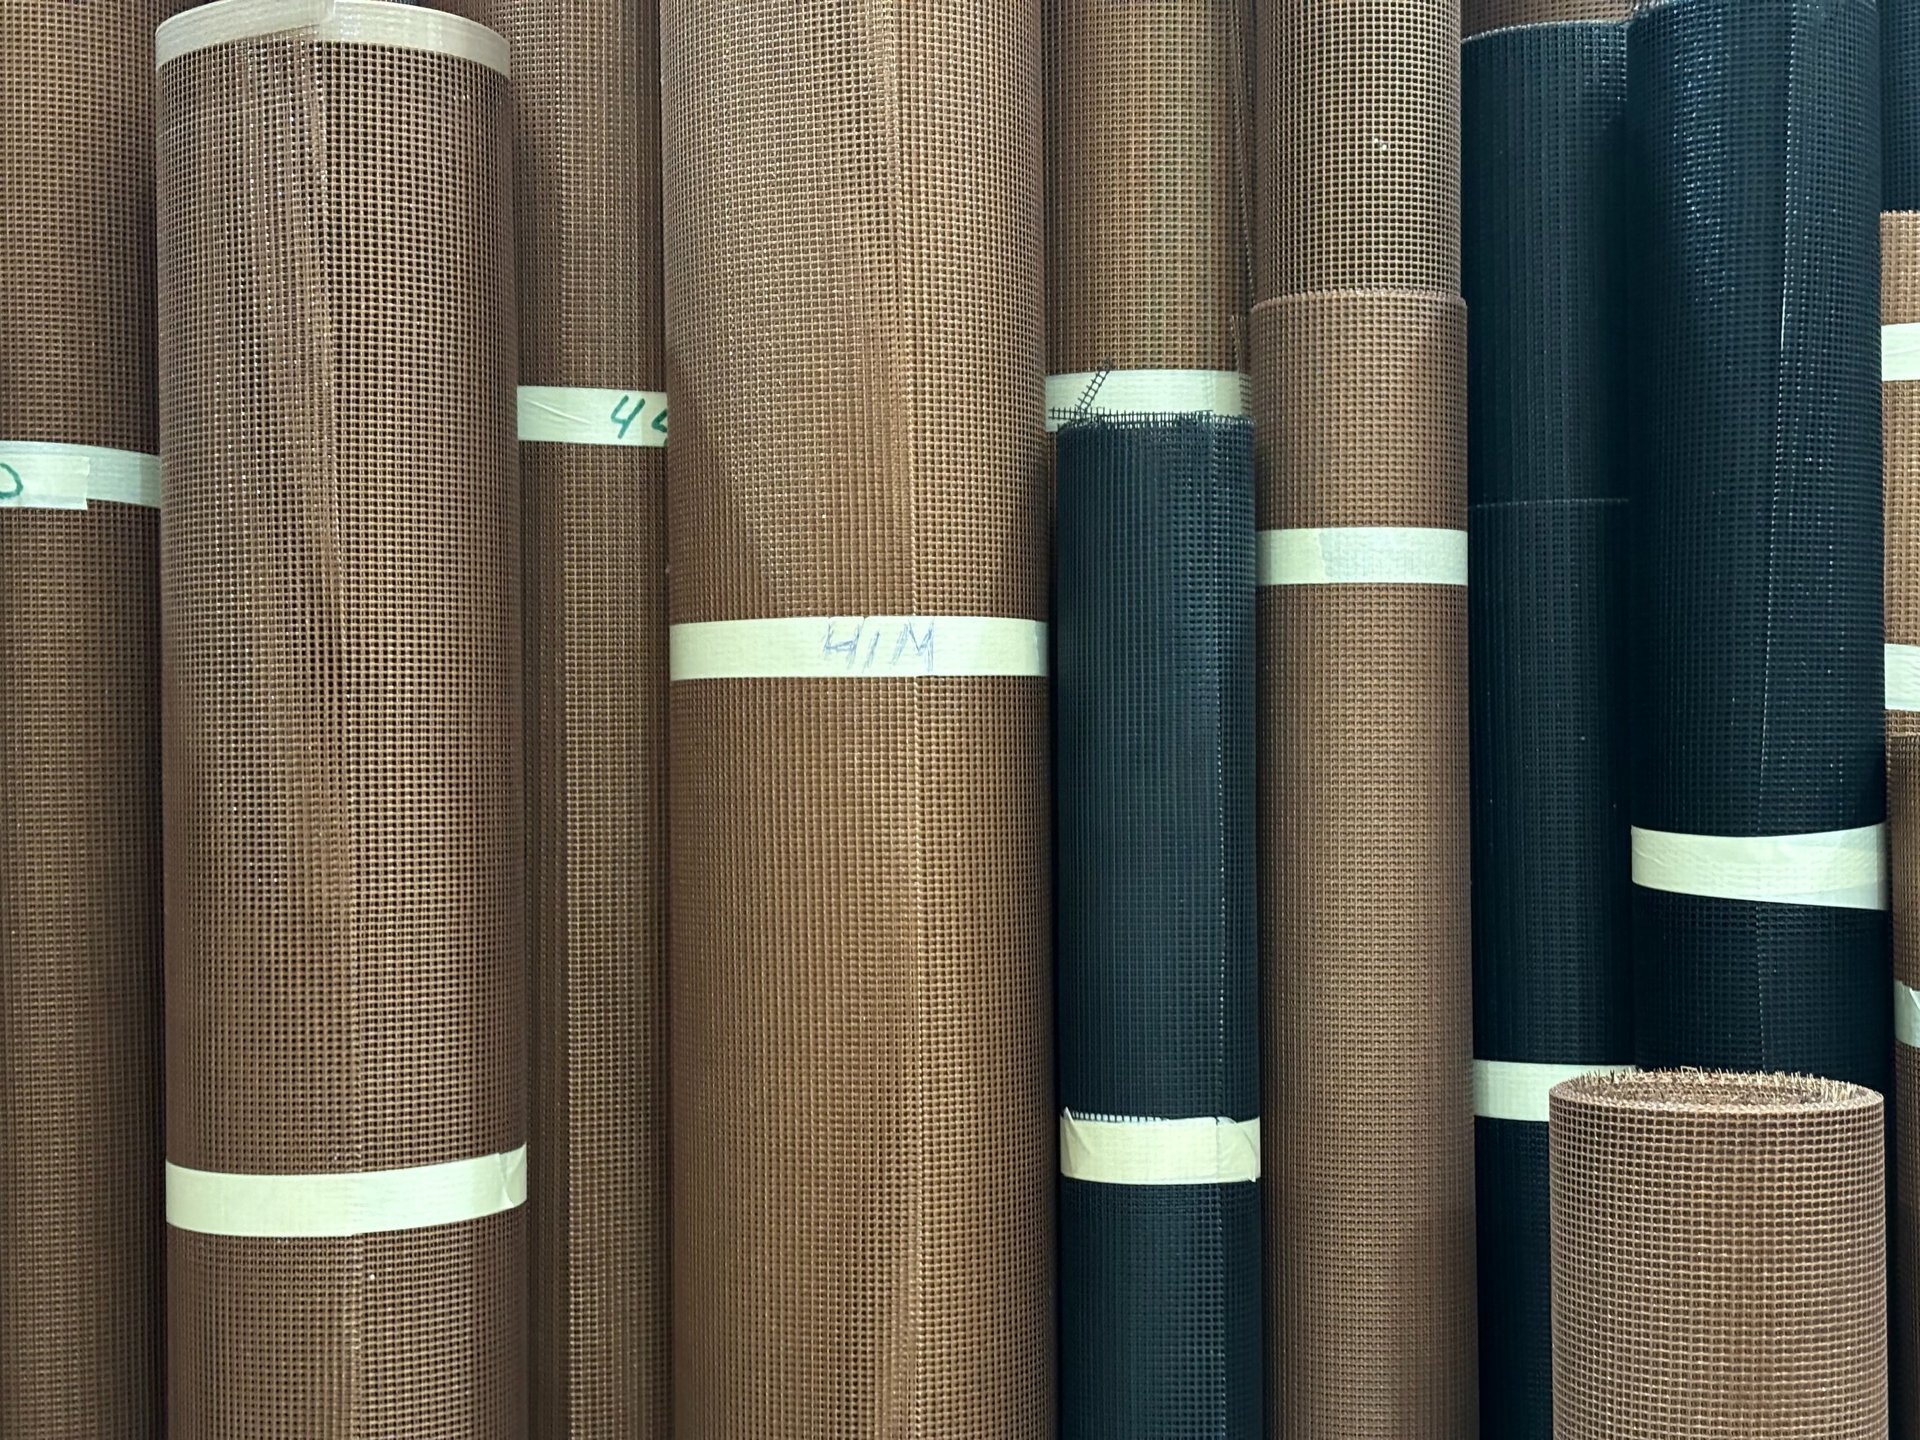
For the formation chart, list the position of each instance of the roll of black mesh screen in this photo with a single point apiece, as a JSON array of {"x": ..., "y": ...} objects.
[
  {"x": 1756, "y": 519},
  {"x": 1544, "y": 156},
  {"x": 1900, "y": 65},
  {"x": 1158, "y": 929}
]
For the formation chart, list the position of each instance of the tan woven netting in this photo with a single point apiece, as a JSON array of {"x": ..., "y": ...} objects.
[
  {"x": 1479, "y": 15},
  {"x": 80, "y": 1334},
  {"x": 341, "y": 621},
  {"x": 1719, "y": 1258},
  {"x": 1148, "y": 156},
  {"x": 863, "y": 1136}
]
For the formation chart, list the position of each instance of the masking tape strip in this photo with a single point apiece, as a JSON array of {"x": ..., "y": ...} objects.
[
  {"x": 38, "y": 475},
  {"x": 1145, "y": 392},
  {"x": 1363, "y": 555},
  {"x": 1206, "y": 1151},
  {"x": 1899, "y": 352},
  {"x": 1903, "y": 677},
  {"x": 340, "y": 22},
  {"x": 575, "y": 415},
  {"x": 1518, "y": 1089},
  {"x": 859, "y": 647},
  {"x": 1844, "y": 869},
  {"x": 373, "y": 1203},
  {"x": 1906, "y": 1015}
]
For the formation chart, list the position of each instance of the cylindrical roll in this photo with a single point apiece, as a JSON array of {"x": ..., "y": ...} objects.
[
  {"x": 340, "y": 608},
  {"x": 1478, "y": 16},
  {"x": 1361, "y": 402},
  {"x": 1719, "y": 1258},
  {"x": 593, "y": 423},
  {"x": 1900, "y": 72},
  {"x": 1758, "y": 798},
  {"x": 1545, "y": 257},
  {"x": 863, "y": 1124},
  {"x": 1158, "y": 936},
  {"x": 80, "y": 1332}
]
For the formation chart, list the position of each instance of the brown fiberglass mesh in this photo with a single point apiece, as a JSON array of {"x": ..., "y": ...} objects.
[
  {"x": 1719, "y": 1258},
  {"x": 863, "y": 1138},
  {"x": 1148, "y": 154},
  {"x": 586, "y": 95},
  {"x": 1359, "y": 400},
  {"x": 1477, "y": 16},
  {"x": 80, "y": 1331},
  {"x": 341, "y": 620}
]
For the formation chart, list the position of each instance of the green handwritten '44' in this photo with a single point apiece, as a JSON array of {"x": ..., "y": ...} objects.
[{"x": 630, "y": 408}]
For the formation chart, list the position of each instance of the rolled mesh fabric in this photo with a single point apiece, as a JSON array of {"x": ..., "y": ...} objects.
[
  {"x": 592, "y": 363},
  {"x": 1719, "y": 1258},
  {"x": 1544, "y": 253},
  {"x": 340, "y": 607},
  {"x": 1158, "y": 939},
  {"x": 80, "y": 1329},
  {"x": 1758, "y": 799},
  {"x": 1477, "y": 16},
  {"x": 863, "y": 1125},
  {"x": 1900, "y": 72}
]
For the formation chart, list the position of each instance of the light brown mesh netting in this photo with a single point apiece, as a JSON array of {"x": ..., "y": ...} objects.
[
  {"x": 341, "y": 620},
  {"x": 863, "y": 1127},
  {"x": 1719, "y": 1258},
  {"x": 80, "y": 1332},
  {"x": 1479, "y": 15}
]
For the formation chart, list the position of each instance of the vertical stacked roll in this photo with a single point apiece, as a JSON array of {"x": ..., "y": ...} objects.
[
  {"x": 1545, "y": 260},
  {"x": 863, "y": 1127},
  {"x": 340, "y": 608},
  {"x": 593, "y": 420},
  {"x": 1359, "y": 358},
  {"x": 1758, "y": 843},
  {"x": 80, "y": 1329},
  {"x": 1719, "y": 1258}
]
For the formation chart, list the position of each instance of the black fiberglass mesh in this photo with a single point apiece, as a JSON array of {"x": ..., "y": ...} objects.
[
  {"x": 1900, "y": 65},
  {"x": 1544, "y": 157},
  {"x": 1756, "y": 515},
  {"x": 1158, "y": 929}
]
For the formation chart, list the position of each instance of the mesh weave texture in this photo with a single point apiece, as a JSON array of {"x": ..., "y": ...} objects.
[
  {"x": 586, "y": 96},
  {"x": 1719, "y": 1259},
  {"x": 1756, "y": 524},
  {"x": 1543, "y": 115},
  {"x": 864, "y": 1131},
  {"x": 1479, "y": 16},
  {"x": 1900, "y": 72},
  {"x": 80, "y": 1331},
  {"x": 343, "y": 693}
]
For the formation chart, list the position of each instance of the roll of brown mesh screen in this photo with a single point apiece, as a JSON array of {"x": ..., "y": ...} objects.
[
  {"x": 340, "y": 615},
  {"x": 1361, "y": 406},
  {"x": 1719, "y": 1258},
  {"x": 863, "y": 1137},
  {"x": 1479, "y": 15},
  {"x": 80, "y": 1332}
]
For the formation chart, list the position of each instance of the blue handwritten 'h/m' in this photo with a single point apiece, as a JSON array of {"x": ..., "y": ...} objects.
[{"x": 914, "y": 636}]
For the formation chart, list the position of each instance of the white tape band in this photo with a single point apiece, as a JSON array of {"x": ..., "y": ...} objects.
[
  {"x": 1518, "y": 1090},
  {"x": 1844, "y": 869},
  {"x": 1899, "y": 352},
  {"x": 35, "y": 475},
  {"x": 1206, "y": 1151},
  {"x": 1906, "y": 1015},
  {"x": 339, "y": 22},
  {"x": 374, "y": 1203},
  {"x": 1145, "y": 392},
  {"x": 572, "y": 415},
  {"x": 1903, "y": 677},
  {"x": 858, "y": 647},
  {"x": 1363, "y": 555}
]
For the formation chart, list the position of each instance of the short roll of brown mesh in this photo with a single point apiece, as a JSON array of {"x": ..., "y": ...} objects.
[
  {"x": 80, "y": 1331},
  {"x": 586, "y": 99},
  {"x": 343, "y": 701},
  {"x": 863, "y": 1134},
  {"x": 1149, "y": 147},
  {"x": 1479, "y": 15},
  {"x": 1360, "y": 403},
  {"x": 1719, "y": 1258}
]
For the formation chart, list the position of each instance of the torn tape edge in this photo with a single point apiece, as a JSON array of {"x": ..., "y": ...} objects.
[
  {"x": 124, "y": 477},
  {"x": 1205, "y": 1150},
  {"x": 340, "y": 22},
  {"x": 1518, "y": 1089}
]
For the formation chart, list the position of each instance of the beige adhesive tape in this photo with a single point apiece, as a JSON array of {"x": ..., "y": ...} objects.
[
  {"x": 1899, "y": 352},
  {"x": 1205, "y": 1151},
  {"x": 1144, "y": 392},
  {"x": 36, "y": 475},
  {"x": 374, "y": 1203},
  {"x": 1845, "y": 869},
  {"x": 858, "y": 647},
  {"x": 1518, "y": 1090},
  {"x": 573, "y": 415},
  {"x": 1906, "y": 1016},
  {"x": 1903, "y": 677},
  {"x": 339, "y": 22},
  {"x": 1363, "y": 555}
]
